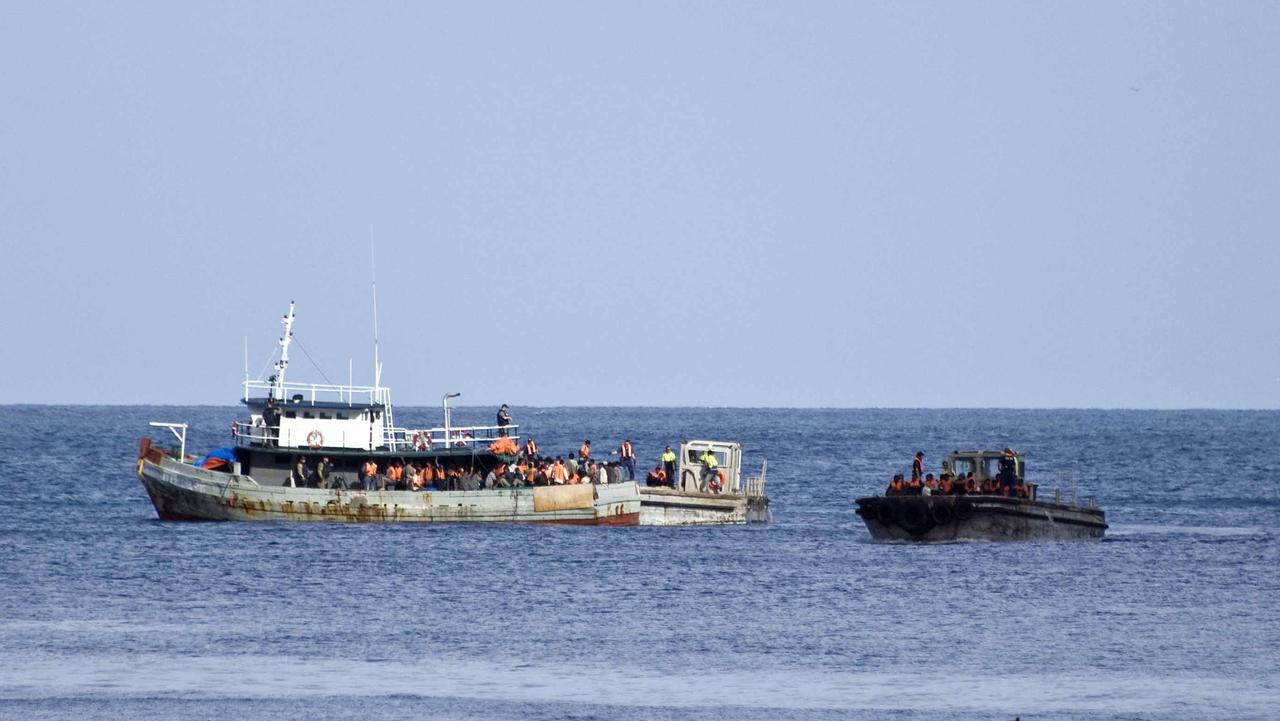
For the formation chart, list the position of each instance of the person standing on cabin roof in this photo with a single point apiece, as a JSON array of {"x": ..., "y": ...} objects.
[
  {"x": 917, "y": 466},
  {"x": 628, "y": 455},
  {"x": 504, "y": 420},
  {"x": 669, "y": 465}
]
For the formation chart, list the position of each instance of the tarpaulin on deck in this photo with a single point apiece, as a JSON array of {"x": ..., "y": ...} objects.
[
  {"x": 563, "y": 498},
  {"x": 217, "y": 458}
]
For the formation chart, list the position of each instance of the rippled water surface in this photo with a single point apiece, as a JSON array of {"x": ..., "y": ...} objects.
[{"x": 106, "y": 612}]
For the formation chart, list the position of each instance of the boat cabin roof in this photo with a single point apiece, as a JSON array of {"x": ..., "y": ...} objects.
[{"x": 298, "y": 401}]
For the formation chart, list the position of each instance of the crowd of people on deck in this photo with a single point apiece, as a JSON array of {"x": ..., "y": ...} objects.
[
  {"x": 522, "y": 467},
  {"x": 528, "y": 468},
  {"x": 1007, "y": 482}
]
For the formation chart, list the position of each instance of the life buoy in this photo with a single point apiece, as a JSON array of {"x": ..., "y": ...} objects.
[
  {"x": 717, "y": 484},
  {"x": 941, "y": 514},
  {"x": 463, "y": 437},
  {"x": 315, "y": 439},
  {"x": 422, "y": 440}
]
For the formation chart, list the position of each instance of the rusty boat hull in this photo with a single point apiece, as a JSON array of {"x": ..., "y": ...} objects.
[
  {"x": 181, "y": 492},
  {"x": 977, "y": 518}
]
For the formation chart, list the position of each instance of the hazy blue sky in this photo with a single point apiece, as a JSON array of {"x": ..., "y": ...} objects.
[{"x": 599, "y": 203}]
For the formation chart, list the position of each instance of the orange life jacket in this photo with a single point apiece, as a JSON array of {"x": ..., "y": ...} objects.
[
  {"x": 370, "y": 468},
  {"x": 627, "y": 450},
  {"x": 530, "y": 448}
]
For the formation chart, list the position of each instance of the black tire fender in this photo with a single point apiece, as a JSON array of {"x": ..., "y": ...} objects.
[
  {"x": 964, "y": 511},
  {"x": 914, "y": 518},
  {"x": 941, "y": 513},
  {"x": 884, "y": 511}
]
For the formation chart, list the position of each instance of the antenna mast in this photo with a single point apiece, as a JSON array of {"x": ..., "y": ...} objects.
[
  {"x": 373, "y": 273},
  {"x": 277, "y": 390}
]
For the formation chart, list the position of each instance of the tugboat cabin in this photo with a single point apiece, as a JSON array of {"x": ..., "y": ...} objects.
[{"x": 985, "y": 465}]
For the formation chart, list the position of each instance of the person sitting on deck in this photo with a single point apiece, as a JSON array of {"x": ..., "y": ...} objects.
[
  {"x": 930, "y": 487},
  {"x": 896, "y": 487},
  {"x": 1020, "y": 489},
  {"x": 990, "y": 487},
  {"x": 656, "y": 477},
  {"x": 491, "y": 479},
  {"x": 914, "y": 486},
  {"x": 945, "y": 487},
  {"x": 970, "y": 484}
]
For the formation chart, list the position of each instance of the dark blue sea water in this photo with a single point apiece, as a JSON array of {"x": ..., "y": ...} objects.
[{"x": 106, "y": 612}]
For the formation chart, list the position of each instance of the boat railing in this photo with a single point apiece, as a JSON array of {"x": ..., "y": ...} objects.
[
  {"x": 473, "y": 437},
  {"x": 318, "y": 393},
  {"x": 477, "y": 438},
  {"x": 755, "y": 484}
]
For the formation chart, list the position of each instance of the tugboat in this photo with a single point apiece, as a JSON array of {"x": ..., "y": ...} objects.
[
  {"x": 690, "y": 502},
  {"x": 990, "y": 516},
  {"x": 347, "y": 427}
]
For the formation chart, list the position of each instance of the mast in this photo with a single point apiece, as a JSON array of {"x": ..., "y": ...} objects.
[{"x": 277, "y": 390}]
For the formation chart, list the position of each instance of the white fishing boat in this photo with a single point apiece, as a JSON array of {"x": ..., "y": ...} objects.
[{"x": 348, "y": 429}]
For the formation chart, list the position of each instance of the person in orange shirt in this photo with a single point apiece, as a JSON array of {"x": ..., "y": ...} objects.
[{"x": 584, "y": 453}]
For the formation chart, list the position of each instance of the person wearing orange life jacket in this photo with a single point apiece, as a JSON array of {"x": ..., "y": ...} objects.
[
  {"x": 369, "y": 475},
  {"x": 628, "y": 455},
  {"x": 530, "y": 448},
  {"x": 897, "y": 486},
  {"x": 656, "y": 477},
  {"x": 917, "y": 466},
  {"x": 559, "y": 474}
]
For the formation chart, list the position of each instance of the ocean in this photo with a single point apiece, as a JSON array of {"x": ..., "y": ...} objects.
[{"x": 106, "y": 612}]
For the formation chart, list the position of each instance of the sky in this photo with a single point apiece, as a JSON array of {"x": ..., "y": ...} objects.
[{"x": 789, "y": 204}]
